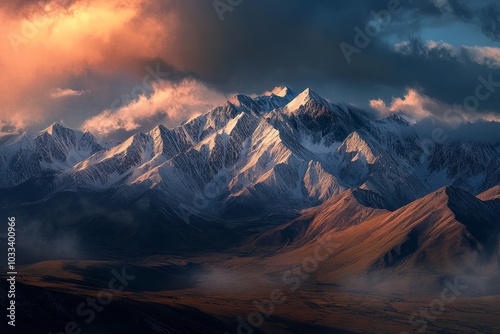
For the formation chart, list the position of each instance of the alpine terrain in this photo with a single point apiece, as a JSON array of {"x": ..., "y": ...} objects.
[{"x": 334, "y": 206}]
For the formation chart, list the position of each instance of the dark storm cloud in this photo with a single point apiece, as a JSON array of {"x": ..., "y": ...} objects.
[
  {"x": 263, "y": 43},
  {"x": 438, "y": 73},
  {"x": 460, "y": 10},
  {"x": 259, "y": 44},
  {"x": 490, "y": 21}
]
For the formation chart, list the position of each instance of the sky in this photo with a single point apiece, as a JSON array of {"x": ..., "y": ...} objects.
[{"x": 116, "y": 67}]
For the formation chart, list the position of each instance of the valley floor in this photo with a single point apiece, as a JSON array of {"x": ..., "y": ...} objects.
[{"x": 230, "y": 294}]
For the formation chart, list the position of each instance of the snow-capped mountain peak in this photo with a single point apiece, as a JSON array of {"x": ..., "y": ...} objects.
[
  {"x": 284, "y": 92},
  {"x": 303, "y": 98},
  {"x": 50, "y": 129},
  {"x": 241, "y": 100},
  {"x": 263, "y": 103},
  {"x": 56, "y": 148}
]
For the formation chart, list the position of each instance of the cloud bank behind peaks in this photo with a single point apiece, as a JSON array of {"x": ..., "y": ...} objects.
[{"x": 169, "y": 104}]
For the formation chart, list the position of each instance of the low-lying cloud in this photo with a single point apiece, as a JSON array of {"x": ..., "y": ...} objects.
[
  {"x": 169, "y": 104},
  {"x": 420, "y": 106},
  {"x": 60, "y": 92}
]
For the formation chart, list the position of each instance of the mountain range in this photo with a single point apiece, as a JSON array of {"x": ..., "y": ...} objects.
[
  {"x": 364, "y": 213},
  {"x": 279, "y": 152}
]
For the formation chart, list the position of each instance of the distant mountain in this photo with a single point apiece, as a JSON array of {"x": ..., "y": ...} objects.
[
  {"x": 55, "y": 149},
  {"x": 278, "y": 152}
]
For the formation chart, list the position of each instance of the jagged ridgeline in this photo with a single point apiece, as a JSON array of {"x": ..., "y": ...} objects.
[{"x": 283, "y": 151}]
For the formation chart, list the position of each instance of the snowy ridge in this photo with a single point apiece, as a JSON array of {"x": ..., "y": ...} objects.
[
  {"x": 54, "y": 149},
  {"x": 279, "y": 148}
]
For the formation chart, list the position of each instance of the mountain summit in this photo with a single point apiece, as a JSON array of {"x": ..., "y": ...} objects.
[
  {"x": 284, "y": 92},
  {"x": 303, "y": 98}
]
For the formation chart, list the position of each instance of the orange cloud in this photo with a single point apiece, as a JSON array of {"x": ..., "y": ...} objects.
[
  {"x": 60, "y": 92},
  {"x": 47, "y": 45},
  {"x": 420, "y": 106},
  {"x": 413, "y": 103},
  {"x": 172, "y": 102}
]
